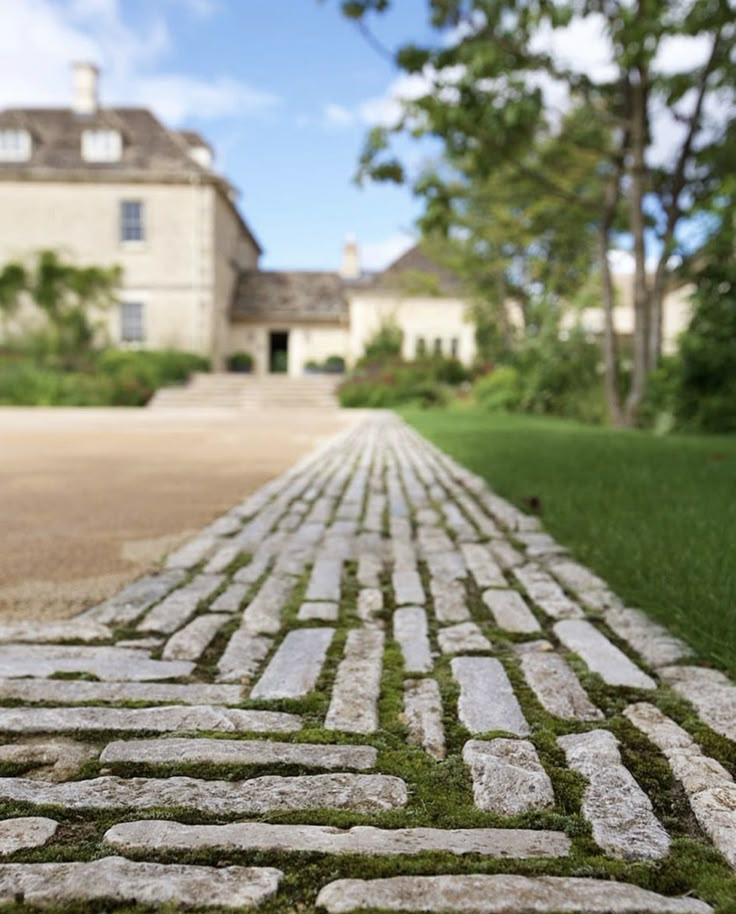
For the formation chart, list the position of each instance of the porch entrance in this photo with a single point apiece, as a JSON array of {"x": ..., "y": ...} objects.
[{"x": 278, "y": 351}]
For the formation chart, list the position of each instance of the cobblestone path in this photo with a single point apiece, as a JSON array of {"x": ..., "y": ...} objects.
[{"x": 374, "y": 684}]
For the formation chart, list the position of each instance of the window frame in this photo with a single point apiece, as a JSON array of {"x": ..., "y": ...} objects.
[
  {"x": 21, "y": 150},
  {"x": 127, "y": 223},
  {"x": 137, "y": 320},
  {"x": 101, "y": 144}
]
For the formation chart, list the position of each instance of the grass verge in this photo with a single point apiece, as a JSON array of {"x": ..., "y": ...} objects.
[{"x": 655, "y": 517}]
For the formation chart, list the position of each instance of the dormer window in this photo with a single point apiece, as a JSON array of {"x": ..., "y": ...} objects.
[
  {"x": 101, "y": 145},
  {"x": 15, "y": 145}
]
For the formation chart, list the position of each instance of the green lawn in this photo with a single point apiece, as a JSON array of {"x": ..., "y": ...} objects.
[{"x": 656, "y": 517}]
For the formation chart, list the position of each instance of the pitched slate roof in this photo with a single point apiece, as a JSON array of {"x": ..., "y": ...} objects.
[
  {"x": 56, "y": 135},
  {"x": 414, "y": 262},
  {"x": 290, "y": 296}
]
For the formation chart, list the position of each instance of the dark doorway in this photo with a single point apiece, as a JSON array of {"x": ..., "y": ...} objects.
[{"x": 278, "y": 351}]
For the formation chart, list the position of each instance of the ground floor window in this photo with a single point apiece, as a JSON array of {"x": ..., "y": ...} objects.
[
  {"x": 454, "y": 347},
  {"x": 132, "y": 326},
  {"x": 438, "y": 346},
  {"x": 421, "y": 347}
]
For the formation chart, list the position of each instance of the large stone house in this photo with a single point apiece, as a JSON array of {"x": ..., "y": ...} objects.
[
  {"x": 111, "y": 186},
  {"x": 115, "y": 186}
]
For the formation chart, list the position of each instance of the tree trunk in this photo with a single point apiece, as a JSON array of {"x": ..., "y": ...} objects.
[
  {"x": 641, "y": 292},
  {"x": 610, "y": 347}
]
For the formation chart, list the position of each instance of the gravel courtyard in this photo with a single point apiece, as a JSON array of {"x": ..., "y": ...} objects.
[
  {"x": 92, "y": 497},
  {"x": 372, "y": 684}
]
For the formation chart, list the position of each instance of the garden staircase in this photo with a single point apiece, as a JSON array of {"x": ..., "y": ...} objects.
[{"x": 245, "y": 391}]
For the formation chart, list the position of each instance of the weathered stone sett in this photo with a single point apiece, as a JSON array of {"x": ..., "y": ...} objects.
[
  {"x": 423, "y": 716},
  {"x": 158, "y": 720},
  {"x": 78, "y": 691},
  {"x": 412, "y": 635},
  {"x": 176, "y": 609},
  {"x": 508, "y": 777},
  {"x": 359, "y": 792},
  {"x": 510, "y": 612},
  {"x": 238, "y": 752},
  {"x": 463, "y": 638},
  {"x": 556, "y": 686},
  {"x": 295, "y": 667},
  {"x": 487, "y": 700},
  {"x": 190, "y": 642},
  {"x": 619, "y": 811},
  {"x": 709, "y": 787},
  {"x": 25, "y": 833},
  {"x": 711, "y": 693},
  {"x": 503, "y": 894},
  {"x": 107, "y": 663},
  {"x": 361, "y": 839},
  {"x": 600, "y": 656},
  {"x": 47, "y": 885},
  {"x": 354, "y": 704},
  {"x": 52, "y": 759}
]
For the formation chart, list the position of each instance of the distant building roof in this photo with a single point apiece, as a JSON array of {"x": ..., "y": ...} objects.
[
  {"x": 290, "y": 296},
  {"x": 413, "y": 265}
]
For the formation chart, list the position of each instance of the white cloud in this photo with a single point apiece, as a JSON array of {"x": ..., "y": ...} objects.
[
  {"x": 338, "y": 116},
  {"x": 40, "y": 38},
  {"x": 177, "y": 97},
  {"x": 377, "y": 255}
]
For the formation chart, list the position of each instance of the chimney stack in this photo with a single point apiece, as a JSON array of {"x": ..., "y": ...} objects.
[
  {"x": 85, "y": 79},
  {"x": 350, "y": 259}
]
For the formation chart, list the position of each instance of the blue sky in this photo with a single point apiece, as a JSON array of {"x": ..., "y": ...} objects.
[{"x": 284, "y": 89}]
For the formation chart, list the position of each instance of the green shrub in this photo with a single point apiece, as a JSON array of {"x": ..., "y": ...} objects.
[
  {"x": 334, "y": 364},
  {"x": 388, "y": 383},
  {"x": 111, "y": 378},
  {"x": 241, "y": 362},
  {"x": 385, "y": 344},
  {"x": 499, "y": 390},
  {"x": 561, "y": 375},
  {"x": 705, "y": 396}
]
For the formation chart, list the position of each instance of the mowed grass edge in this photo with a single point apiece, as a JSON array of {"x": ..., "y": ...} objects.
[{"x": 654, "y": 516}]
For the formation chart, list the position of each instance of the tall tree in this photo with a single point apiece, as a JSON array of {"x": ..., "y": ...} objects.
[{"x": 490, "y": 78}]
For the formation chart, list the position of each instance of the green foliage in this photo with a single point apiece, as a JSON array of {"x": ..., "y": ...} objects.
[
  {"x": 111, "y": 378},
  {"x": 705, "y": 396},
  {"x": 384, "y": 344},
  {"x": 240, "y": 362},
  {"x": 499, "y": 390},
  {"x": 560, "y": 375},
  {"x": 391, "y": 382},
  {"x": 70, "y": 300},
  {"x": 333, "y": 364}
]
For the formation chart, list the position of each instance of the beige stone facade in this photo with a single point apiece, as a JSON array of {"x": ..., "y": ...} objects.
[{"x": 183, "y": 270}]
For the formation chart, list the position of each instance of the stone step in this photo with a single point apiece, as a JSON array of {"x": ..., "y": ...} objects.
[
  {"x": 115, "y": 879},
  {"x": 358, "y": 792},
  {"x": 361, "y": 839},
  {"x": 502, "y": 894},
  {"x": 238, "y": 752}
]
